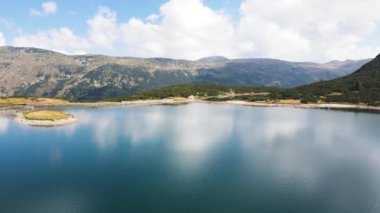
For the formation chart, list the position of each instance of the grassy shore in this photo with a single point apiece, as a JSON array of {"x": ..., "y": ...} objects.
[
  {"x": 18, "y": 101},
  {"x": 45, "y": 118},
  {"x": 46, "y": 115}
]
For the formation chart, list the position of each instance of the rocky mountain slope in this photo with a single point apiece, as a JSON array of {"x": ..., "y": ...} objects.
[{"x": 37, "y": 72}]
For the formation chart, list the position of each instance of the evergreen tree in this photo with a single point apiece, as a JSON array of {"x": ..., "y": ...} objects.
[{"x": 359, "y": 85}]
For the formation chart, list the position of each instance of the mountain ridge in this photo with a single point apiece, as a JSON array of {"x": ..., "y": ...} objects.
[{"x": 39, "y": 72}]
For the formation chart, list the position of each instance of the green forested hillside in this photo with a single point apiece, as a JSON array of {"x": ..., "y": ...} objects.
[
  {"x": 215, "y": 92},
  {"x": 362, "y": 86}
]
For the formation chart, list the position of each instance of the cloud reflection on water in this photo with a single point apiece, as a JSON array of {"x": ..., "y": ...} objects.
[
  {"x": 197, "y": 132},
  {"x": 309, "y": 146},
  {"x": 296, "y": 144},
  {"x": 188, "y": 131},
  {"x": 143, "y": 126},
  {"x": 268, "y": 125},
  {"x": 4, "y": 122},
  {"x": 102, "y": 124},
  {"x": 197, "y": 128},
  {"x": 105, "y": 131},
  {"x": 187, "y": 127}
]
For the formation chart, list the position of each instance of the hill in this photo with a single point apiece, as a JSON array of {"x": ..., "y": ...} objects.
[
  {"x": 362, "y": 86},
  {"x": 43, "y": 73}
]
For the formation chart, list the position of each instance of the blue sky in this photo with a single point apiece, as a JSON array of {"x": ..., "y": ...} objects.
[
  {"x": 74, "y": 13},
  {"x": 294, "y": 30}
]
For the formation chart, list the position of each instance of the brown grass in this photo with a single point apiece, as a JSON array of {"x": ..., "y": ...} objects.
[
  {"x": 46, "y": 115},
  {"x": 335, "y": 94},
  {"x": 289, "y": 101},
  {"x": 31, "y": 101}
]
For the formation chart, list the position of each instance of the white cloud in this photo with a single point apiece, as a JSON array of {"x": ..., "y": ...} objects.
[
  {"x": 103, "y": 32},
  {"x": 188, "y": 29},
  {"x": 46, "y": 9},
  {"x": 61, "y": 40},
  {"x": 2, "y": 39},
  {"x": 152, "y": 17},
  {"x": 50, "y": 7},
  {"x": 295, "y": 30},
  {"x": 309, "y": 29},
  {"x": 103, "y": 28},
  {"x": 289, "y": 29}
]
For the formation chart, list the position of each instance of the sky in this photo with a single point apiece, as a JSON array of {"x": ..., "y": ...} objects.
[{"x": 295, "y": 30}]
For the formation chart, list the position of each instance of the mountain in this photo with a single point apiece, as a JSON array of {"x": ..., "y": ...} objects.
[
  {"x": 274, "y": 73},
  {"x": 361, "y": 86},
  {"x": 213, "y": 59},
  {"x": 38, "y": 72}
]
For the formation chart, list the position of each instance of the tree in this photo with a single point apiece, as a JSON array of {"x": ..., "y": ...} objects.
[
  {"x": 359, "y": 85},
  {"x": 308, "y": 98},
  {"x": 274, "y": 96}
]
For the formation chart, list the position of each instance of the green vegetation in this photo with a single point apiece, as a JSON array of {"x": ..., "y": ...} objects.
[
  {"x": 46, "y": 115},
  {"x": 215, "y": 92},
  {"x": 363, "y": 86}
]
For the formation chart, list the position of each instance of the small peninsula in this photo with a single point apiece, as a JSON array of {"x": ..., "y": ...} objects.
[{"x": 46, "y": 118}]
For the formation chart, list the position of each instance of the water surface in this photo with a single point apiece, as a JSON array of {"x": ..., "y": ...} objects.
[{"x": 193, "y": 158}]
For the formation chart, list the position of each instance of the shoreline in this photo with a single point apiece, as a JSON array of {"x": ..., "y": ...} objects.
[
  {"x": 179, "y": 101},
  {"x": 337, "y": 106}
]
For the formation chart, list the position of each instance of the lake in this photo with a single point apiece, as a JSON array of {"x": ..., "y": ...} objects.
[{"x": 193, "y": 158}]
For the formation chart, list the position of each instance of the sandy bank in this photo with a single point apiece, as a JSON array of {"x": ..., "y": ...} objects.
[
  {"x": 309, "y": 106},
  {"x": 340, "y": 106},
  {"x": 168, "y": 101}
]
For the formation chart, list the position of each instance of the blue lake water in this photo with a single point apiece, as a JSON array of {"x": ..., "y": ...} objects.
[{"x": 193, "y": 158}]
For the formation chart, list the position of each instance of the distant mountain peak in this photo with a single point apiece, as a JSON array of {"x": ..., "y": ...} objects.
[
  {"x": 333, "y": 62},
  {"x": 26, "y": 50},
  {"x": 213, "y": 59}
]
